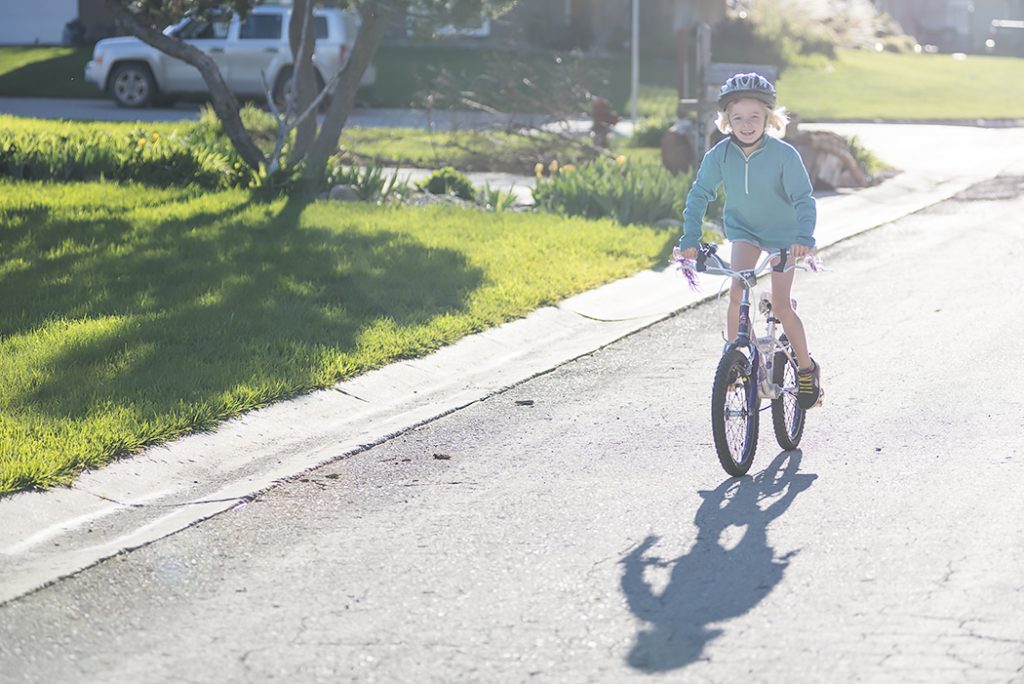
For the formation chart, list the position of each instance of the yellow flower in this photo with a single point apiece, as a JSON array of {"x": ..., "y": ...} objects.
[
  {"x": 538, "y": 169},
  {"x": 553, "y": 166},
  {"x": 621, "y": 159},
  {"x": 142, "y": 142},
  {"x": 156, "y": 137}
]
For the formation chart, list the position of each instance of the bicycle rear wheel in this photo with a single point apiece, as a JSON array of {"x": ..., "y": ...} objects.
[
  {"x": 787, "y": 416},
  {"x": 734, "y": 413}
]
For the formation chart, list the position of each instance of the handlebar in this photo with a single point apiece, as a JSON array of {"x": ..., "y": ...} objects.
[{"x": 708, "y": 261}]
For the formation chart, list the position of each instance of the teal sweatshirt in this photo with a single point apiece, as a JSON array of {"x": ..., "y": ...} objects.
[{"x": 767, "y": 196}]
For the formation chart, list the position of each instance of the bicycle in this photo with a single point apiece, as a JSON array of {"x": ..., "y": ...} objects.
[{"x": 752, "y": 368}]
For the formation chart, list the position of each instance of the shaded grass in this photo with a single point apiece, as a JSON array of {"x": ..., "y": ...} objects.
[
  {"x": 498, "y": 77},
  {"x": 132, "y": 315},
  {"x": 31, "y": 71}
]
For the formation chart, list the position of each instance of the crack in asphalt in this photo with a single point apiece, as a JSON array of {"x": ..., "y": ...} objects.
[{"x": 198, "y": 502}]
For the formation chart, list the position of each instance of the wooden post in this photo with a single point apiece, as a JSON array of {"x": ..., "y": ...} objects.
[{"x": 707, "y": 101}]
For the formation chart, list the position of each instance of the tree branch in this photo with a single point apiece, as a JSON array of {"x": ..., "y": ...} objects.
[{"x": 224, "y": 102}]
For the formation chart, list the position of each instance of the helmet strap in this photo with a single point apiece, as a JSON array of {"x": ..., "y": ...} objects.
[{"x": 752, "y": 145}]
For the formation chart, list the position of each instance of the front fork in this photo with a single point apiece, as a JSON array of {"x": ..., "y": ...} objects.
[{"x": 758, "y": 347}]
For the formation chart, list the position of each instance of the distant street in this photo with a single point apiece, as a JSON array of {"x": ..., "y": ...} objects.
[{"x": 578, "y": 528}]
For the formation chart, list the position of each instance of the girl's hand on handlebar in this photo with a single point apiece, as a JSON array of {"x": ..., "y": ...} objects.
[
  {"x": 685, "y": 260},
  {"x": 801, "y": 251}
]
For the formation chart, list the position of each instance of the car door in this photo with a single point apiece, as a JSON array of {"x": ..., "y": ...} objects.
[
  {"x": 210, "y": 36},
  {"x": 260, "y": 49}
]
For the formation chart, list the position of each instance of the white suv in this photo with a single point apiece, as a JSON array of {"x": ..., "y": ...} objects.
[{"x": 136, "y": 75}]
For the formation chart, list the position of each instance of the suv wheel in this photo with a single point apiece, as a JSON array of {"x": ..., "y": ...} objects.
[
  {"x": 132, "y": 85},
  {"x": 283, "y": 87}
]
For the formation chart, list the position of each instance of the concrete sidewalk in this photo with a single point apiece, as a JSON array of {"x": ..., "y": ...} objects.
[{"x": 133, "y": 502}]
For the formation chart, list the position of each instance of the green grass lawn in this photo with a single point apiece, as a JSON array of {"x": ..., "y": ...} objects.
[
  {"x": 132, "y": 315},
  {"x": 870, "y": 85}
]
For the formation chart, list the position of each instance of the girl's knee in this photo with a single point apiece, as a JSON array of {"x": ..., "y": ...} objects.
[
  {"x": 783, "y": 307},
  {"x": 785, "y": 314}
]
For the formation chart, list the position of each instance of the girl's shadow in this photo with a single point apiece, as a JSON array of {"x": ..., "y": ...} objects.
[{"x": 726, "y": 573}]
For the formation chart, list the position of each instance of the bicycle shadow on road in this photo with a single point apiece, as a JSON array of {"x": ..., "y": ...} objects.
[{"x": 726, "y": 573}]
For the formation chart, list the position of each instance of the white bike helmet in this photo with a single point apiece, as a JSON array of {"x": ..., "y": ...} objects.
[{"x": 746, "y": 85}]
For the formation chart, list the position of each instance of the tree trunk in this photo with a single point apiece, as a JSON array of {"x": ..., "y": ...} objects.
[
  {"x": 224, "y": 102},
  {"x": 376, "y": 17},
  {"x": 304, "y": 81}
]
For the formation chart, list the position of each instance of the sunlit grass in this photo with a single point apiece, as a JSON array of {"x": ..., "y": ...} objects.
[
  {"x": 880, "y": 85},
  {"x": 131, "y": 315}
]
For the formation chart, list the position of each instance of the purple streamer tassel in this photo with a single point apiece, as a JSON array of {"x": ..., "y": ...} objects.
[{"x": 688, "y": 267}]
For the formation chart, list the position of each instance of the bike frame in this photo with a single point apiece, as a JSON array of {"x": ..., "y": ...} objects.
[{"x": 761, "y": 349}]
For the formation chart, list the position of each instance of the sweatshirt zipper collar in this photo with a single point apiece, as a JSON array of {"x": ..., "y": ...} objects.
[{"x": 746, "y": 162}]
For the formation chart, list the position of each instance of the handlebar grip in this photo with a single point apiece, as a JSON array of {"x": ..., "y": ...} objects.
[
  {"x": 781, "y": 266},
  {"x": 703, "y": 252}
]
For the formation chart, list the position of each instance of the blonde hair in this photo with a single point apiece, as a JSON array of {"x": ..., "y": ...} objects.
[{"x": 775, "y": 119}]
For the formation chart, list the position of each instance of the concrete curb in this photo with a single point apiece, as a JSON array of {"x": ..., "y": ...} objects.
[{"x": 49, "y": 535}]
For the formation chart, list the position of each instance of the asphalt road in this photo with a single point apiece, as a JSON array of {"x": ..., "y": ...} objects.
[{"x": 577, "y": 528}]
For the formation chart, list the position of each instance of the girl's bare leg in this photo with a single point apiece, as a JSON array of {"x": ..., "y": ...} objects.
[
  {"x": 744, "y": 256},
  {"x": 782, "y": 286}
]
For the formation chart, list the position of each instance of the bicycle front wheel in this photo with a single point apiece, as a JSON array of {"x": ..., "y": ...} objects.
[
  {"x": 734, "y": 412},
  {"x": 787, "y": 416}
]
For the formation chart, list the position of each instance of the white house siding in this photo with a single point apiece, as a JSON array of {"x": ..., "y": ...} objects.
[
  {"x": 29, "y": 22},
  {"x": 951, "y": 24}
]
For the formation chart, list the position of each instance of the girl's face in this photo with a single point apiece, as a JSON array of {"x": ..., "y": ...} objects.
[{"x": 747, "y": 119}]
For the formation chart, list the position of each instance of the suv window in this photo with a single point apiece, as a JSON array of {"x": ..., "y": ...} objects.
[
  {"x": 195, "y": 29},
  {"x": 320, "y": 27},
  {"x": 261, "y": 27}
]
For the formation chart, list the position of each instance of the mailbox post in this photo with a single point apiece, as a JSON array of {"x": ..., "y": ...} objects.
[{"x": 685, "y": 144}]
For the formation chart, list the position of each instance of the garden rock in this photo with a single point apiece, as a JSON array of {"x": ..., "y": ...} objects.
[
  {"x": 345, "y": 193},
  {"x": 827, "y": 156},
  {"x": 677, "y": 153},
  {"x": 423, "y": 199}
]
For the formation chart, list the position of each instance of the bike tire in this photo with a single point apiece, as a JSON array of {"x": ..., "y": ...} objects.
[
  {"x": 787, "y": 416},
  {"x": 734, "y": 413}
]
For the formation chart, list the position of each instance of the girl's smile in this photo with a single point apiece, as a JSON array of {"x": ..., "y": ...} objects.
[{"x": 747, "y": 119}]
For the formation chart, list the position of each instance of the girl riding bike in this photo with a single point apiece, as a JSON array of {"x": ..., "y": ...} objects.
[{"x": 768, "y": 206}]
